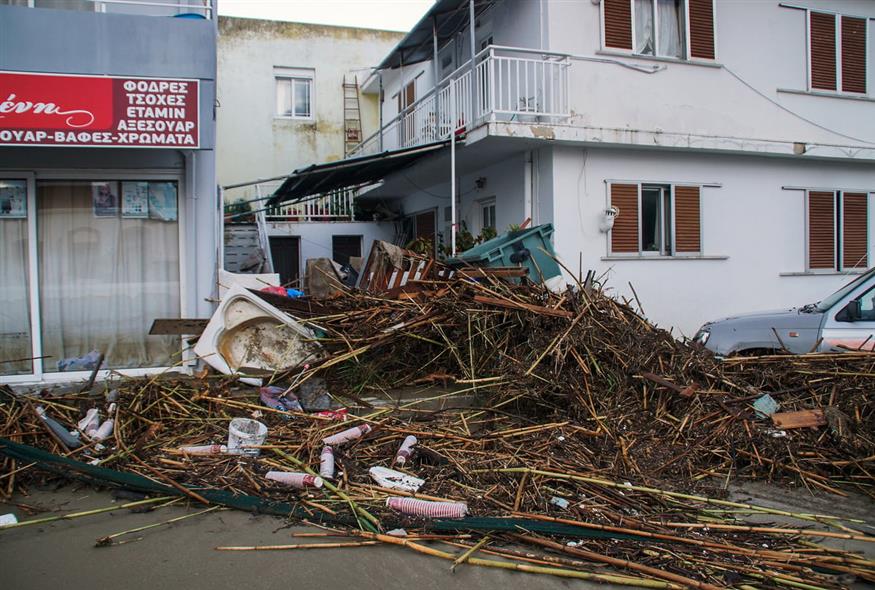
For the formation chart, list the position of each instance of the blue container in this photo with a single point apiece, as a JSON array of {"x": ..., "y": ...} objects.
[{"x": 531, "y": 248}]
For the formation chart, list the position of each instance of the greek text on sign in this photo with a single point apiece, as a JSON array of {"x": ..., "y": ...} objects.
[{"x": 103, "y": 111}]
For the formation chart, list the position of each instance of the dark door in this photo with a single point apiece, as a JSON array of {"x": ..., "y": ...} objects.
[
  {"x": 342, "y": 247},
  {"x": 424, "y": 226},
  {"x": 286, "y": 254}
]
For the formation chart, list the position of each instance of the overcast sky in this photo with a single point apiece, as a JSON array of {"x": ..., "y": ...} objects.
[{"x": 395, "y": 15}]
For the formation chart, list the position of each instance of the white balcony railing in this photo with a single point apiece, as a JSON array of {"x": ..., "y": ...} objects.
[
  {"x": 334, "y": 206},
  {"x": 508, "y": 84}
]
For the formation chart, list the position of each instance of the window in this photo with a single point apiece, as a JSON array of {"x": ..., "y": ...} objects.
[
  {"x": 837, "y": 52},
  {"x": 837, "y": 230},
  {"x": 487, "y": 218},
  {"x": 15, "y": 337},
  {"x": 660, "y": 27},
  {"x": 345, "y": 247},
  {"x": 294, "y": 90},
  {"x": 656, "y": 219}
]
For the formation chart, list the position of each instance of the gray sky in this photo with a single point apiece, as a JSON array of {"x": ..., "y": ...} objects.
[{"x": 396, "y": 15}]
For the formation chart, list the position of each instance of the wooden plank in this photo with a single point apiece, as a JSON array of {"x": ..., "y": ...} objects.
[
  {"x": 800, "y": 419},
  {"x": 502, "y": 272},
  {"x": 177, "y": 326}
]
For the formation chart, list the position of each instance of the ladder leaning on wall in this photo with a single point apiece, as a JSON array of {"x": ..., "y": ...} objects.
[{"x": 352, "y": 117}]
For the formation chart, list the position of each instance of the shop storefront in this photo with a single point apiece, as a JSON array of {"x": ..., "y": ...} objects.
[{"x": 98, "y": 236}]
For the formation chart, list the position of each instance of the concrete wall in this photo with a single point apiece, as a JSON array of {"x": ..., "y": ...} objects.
[
  {"x": 741, "y": 96},
  {"x": 753, "y": 230},
  {"x": 315, "y": 238},
  {"x": 254, "y": 143}
]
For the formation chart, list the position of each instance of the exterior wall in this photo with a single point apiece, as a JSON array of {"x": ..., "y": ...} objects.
[
  {"x": 67, "y": 41},
  {"x": 315, "y": 238},
  {"x": 753, "y": 231},
  {"x": 255, "y": 143},
  {"x": 761, "y": 52}
]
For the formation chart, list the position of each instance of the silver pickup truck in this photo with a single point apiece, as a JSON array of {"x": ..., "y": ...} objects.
[{"x": 843, "y": 321}]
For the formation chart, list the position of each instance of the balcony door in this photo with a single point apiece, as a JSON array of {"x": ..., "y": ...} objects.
[{"x": 406, "y": 126}]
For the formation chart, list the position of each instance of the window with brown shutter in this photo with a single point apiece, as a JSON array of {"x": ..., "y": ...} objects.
[
  {"x": 821, "y": 230},
  {"x": 687, "y": 215},
  {"x": 618, "y": 23},
  {"x": 624, "y": 235},
  {"x": 855, "y": 227},
  {"x": 853, "y": 54},
  {"x": 822, "y": 31},
  {"x": 701, "y": 15}
]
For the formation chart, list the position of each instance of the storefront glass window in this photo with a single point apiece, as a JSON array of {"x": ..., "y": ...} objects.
[
  {"x": 15, "y": 338},
  {"x": 108, "y": 266}
]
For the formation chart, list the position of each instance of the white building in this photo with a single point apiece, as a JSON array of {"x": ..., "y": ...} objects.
[
  {"x": 735, "y": 139},
  {"x": 282, "y": 107}
]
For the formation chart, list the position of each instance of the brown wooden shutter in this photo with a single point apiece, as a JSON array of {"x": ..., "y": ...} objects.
[
  {"x": 821, "y": 230},
  {"x": 687, "y": 219},
  {"x": 853, "y": 54},
  {"x": 855, "y": 227},
  {"x": 701, "y": 28},
  {"x": 618, "y": 24},
  {"x": 823, "y": 51},
  {"x": 624, "y": 235}
]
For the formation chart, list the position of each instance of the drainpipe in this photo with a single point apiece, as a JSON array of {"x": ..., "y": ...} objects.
[
  {"x": 380, "y": 102},
  {"x": 453, "y": 170},
  {"x": 473, "y": 53},
  {"x": 437, "y": 73},
  {"x": 527, "y": 187}
]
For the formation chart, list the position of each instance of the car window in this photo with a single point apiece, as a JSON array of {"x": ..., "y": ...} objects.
[
  {"x": 867, "y": 305},
  {"x": 828, "y": 302}
]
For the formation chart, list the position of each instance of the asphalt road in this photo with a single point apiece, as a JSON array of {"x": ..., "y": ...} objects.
[{"x": 63, "y": 555}]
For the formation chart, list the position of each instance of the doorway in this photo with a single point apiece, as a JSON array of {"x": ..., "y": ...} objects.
[{"x": 286, "y": 254}]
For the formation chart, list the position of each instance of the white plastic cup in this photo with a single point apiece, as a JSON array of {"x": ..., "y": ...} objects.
[
  {"x": 294, "y": 480},
  {"x": 243, "y": 434},
  {"x": 347, "y": 435}
]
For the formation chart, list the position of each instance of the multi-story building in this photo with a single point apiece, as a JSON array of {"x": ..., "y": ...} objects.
[
  {"x": 109, "y": 214},
  {"x": 289, "y": 96},
  {"x": 718, "y": 156}
]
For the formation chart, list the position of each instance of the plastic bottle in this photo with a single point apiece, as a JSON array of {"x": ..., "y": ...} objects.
[
  {"x": 90, "y": 422},
  {"x": 406, "y": 450},
  {"x": 107, "y": 427},
  {"x": 70, "y": 440}
]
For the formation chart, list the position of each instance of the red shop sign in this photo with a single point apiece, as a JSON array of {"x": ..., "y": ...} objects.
[{"x": 98, "y": 111}]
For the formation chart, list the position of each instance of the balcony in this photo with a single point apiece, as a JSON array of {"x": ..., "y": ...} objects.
[
  {"x": 176, "y": 8},
  {"x": 506, "y": 84},
  {"x": 335, "y": 205}
]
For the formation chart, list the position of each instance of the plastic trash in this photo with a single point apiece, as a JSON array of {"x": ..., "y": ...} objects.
[
  {"x": 347, "y": 435},
  {"x": 85, "y": 362},
  {"x": 294, "y": 293},
  {"x": 7, "y": 519},
  {"x": 326, "y": 462},
  {"x": 244, "y": 434},
  {"x": 406, "y": 450},
  {"x": 395, "y": 480},
  {"x": 90, "y": 422},
  {"x": 340, "y": 414},
  {"x": 274, "y": 291},
  {"x": 426, "y": 508},
  {"x": 70, "y": 440},
  {"x": 765, "y": 406},
  {"x": 204, "y": 450},
  {"x": 397, "y": 533},
  {"x": 295, "y": 480},
  {"x": 559, "y": 502}
]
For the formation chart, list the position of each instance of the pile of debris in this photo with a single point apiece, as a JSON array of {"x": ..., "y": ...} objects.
[{"x": 571, "y": 425}]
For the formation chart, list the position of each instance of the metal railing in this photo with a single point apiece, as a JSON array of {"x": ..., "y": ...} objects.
[
  {"x": 333, "y": 206},
  {"x": 508, "y": 83}
]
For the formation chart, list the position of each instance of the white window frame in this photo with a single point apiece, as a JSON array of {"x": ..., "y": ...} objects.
[
  {"x": 687, "y": 50},
  {"x": 40, "y": 374},
  {"x": 838, "y": 65},
  {"x": 663, "y": 207},
  {"x": 293, "y": 75},
  {"x": 484, "y": 204}
]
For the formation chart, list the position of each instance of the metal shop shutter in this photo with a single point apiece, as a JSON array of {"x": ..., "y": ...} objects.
[
  {"x": 853, "y": 54},
  {"x": 821, "y": 230},
  {"x": 624, "y": 235},
  {"x": 687, "y": 216},
  {"x": 618, "y": 24},
  {"x": 855, "y": 243},
  {"x": 701, "y": 28},
  {"x": 823, "y": 51}
]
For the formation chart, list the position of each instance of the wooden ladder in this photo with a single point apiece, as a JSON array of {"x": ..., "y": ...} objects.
[{"x": 352, "y": 117}]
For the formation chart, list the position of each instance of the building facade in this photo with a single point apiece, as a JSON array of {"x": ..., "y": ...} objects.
[
  {"x": 718, "y": 156},
  {"x": 289, "y": 96},
  {"x": 109, "y": 213}
]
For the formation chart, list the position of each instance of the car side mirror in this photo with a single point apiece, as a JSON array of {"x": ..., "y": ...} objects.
[{"x": 851, "y": 312}]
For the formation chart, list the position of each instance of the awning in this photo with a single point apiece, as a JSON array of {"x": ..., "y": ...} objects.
[
  {"x": 322, "y": 178},
  {"x": 450, "y": 17}
]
